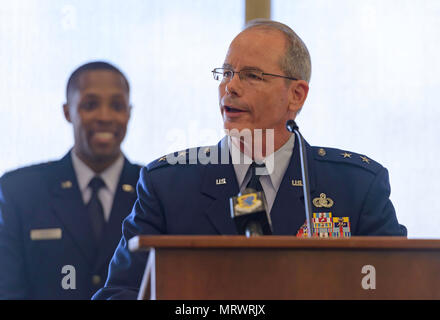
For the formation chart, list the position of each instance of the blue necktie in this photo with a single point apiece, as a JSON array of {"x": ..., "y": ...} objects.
[
  {"x": 254, "y": 182},
  {"x": 94, "y": 207}
]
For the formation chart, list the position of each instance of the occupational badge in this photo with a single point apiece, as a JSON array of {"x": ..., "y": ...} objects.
[{"x": 323, "y": 201}]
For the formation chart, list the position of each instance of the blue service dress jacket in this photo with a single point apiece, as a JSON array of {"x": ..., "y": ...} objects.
[
  {"x": 45, "y": 231},
  {"x": 186, "y": 199}
]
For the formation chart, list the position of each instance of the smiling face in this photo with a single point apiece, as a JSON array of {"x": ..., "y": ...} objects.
[
  {"x": 267, "y": 104},
  {"x": 99, "y": 110}
]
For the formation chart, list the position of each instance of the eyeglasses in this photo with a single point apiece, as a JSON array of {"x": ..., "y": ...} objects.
[{"x": 250, "y": 76}]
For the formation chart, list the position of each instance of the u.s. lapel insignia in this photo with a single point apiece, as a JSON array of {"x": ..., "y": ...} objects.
[
  {"x": 346, "y": 155},
  {"x": 323, "y": 201},
  {"x": 220, "y": 181},
  {"x": 127, "y": 188},
  {"x": 297, "y": 183},
  {"x": 66, "y": 184},
  {"x": 162, "y": 159}
]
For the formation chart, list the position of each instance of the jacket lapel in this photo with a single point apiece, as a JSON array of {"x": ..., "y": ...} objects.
[
  {"x": 219, "y": 184},
  {"x": 288, "y": 211},
  {"x": 123, "y": 202},
  {"x": 68, "y": 205}
]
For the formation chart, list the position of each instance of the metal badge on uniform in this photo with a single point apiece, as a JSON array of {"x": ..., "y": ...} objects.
[
  {"x": 323, "y": 201},
  {"x": 220, "y": 181},
  {"x": 365, "y": 159},
  {"x": 297, "y": 183},
  {"x": 46, "y": 234},
  {"x": 127, "y": 188},
  {"x": 66, "y": 184}
]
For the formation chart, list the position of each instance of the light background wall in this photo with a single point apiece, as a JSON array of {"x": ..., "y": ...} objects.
[{"x": 374, "y": 87}]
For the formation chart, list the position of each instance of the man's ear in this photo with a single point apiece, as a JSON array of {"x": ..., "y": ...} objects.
[
  {"x": 66, "y": 112},
  {"x": 298, "y": 95}
]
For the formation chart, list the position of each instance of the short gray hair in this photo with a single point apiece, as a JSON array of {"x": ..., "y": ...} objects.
[{"x": 296, "y": 62}]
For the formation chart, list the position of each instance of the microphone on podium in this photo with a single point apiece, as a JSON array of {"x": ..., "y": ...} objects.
[
  {"x": 293, "y": 128},
  {"x": 249, "y": 212}
]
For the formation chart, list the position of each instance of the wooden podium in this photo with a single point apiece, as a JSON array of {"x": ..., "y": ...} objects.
[{"x": 283, "y": 267}]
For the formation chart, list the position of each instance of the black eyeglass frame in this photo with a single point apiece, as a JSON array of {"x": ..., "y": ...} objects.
[{"x": 216, "y": 72}]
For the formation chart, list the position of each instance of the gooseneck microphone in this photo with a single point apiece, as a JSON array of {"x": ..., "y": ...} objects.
[
  {"x": 293, "y": 128},
  {"x": 249, "y": 212}
]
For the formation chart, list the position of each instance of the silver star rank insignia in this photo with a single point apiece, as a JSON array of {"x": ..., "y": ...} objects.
[{"x": 365, "y": 159}]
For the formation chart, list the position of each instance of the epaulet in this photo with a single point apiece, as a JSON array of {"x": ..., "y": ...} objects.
[
  {"x": 158, "y": 163},
  {"x": 346, "y": 157},
  {"x": 184, "y": 157}
]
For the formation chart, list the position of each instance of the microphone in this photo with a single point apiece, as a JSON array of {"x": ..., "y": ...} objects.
[
  {"x": 293, "y": 128},
  {"x": 249, "y": 212}
]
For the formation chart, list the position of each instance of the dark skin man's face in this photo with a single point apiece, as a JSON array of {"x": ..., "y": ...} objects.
[{"x": 99, "y": 110}]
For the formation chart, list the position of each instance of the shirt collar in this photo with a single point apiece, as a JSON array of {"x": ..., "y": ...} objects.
[
  {"x": 240, "y": 161},
  {"x": 281, "y": 161},
  {"x": 110, "y": 175},
  {"x": 278, "y": 162}
]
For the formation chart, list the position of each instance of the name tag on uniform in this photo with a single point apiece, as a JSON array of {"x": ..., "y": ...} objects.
[{"x": 46, "y": 234}]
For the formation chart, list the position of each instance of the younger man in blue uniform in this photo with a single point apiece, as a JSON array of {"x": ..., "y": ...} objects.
[{"x": 61, "y": 221}]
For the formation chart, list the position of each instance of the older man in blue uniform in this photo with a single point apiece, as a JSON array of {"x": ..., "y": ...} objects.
[
  {"x": 60, "y": 222},
  {"x": 264, "y": 83}
]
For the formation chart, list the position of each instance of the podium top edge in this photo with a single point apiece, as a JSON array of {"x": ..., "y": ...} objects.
[{"x": 278, "y": 242}]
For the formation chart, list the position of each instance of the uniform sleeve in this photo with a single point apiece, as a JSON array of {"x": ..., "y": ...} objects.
[
  {"x": 126, "y": 268},
  {"x": 378, "y": 216},
  {"x": 12, "y": 266}
]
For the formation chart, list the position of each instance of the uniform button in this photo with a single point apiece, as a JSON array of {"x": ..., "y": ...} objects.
[{"x": 96, "y": 279}]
